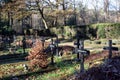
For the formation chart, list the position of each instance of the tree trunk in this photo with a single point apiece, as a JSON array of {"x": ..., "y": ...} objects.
[
  {"x": 64, "y": 8},
  {"x": 45, "y": 23},
  {"x": 42, "y": 15},
  {"x": 106, "y": 9}
]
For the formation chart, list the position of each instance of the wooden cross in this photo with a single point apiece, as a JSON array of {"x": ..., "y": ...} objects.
[{"x": 52, "y": 46}]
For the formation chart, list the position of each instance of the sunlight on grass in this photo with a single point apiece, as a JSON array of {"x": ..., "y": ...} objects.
[
  {"x": 63, "y": 68},
  {"x": 58, "y": 74}
]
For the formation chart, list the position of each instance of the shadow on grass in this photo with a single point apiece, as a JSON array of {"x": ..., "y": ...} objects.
[
  {"x": 62, "y": 40},
  {"x": 59, "y": 65},
  {"x": 12, "y": 58},
  {"x": 23, "y": 76},
  {"x": 67, "y": 63}
]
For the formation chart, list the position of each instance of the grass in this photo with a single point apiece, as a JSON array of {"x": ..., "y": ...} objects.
[
  {"x": 63, "y": 68},
  {"x": 11, "y": 69},
  {"x": 96, "y": 48},
  {"x": 17, "y": 51}
]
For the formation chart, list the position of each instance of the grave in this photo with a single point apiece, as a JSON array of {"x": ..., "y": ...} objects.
[
  {"x": 43, "y": 41},
  {"x": 81, "y": 53},
  {"x": 113, "y": 48},
  {"x": 52, "y": 48}
]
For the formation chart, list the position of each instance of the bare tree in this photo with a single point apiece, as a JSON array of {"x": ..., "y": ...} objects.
[
  {"x": 82, "y": 11},
  {"x": 96, "y": 9},
  {"x": 117, "y": 8},
  {"x": 41, "y": 7},
  {"x": 106, "y": 9}
]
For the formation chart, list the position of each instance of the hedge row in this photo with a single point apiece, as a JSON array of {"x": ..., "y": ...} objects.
[
  {"x": 107, "y": 30},
  {"x": 101, "y": 30}
]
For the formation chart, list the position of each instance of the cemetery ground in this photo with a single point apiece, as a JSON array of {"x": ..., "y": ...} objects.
[{"x": 63, "y": 69}]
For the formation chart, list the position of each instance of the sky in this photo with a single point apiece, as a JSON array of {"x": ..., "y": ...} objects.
[{"x": 90, "y": 4}]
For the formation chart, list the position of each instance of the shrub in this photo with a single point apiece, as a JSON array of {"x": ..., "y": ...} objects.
[
  {"x": 90, "y": 31},
  {"x": 37, "y": 57},
  {"x": 102, "y": 32}
]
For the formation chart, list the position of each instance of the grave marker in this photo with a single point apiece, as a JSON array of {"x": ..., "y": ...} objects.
[
  {"x": 24, "y": 44},
  {"x": 81, "y": 52},
  {"x": 110, "y": 49},
  {"x": 52, "y": 46},
  {"x": 56, "y": 43},
  {"x": 43, "y": 41}
]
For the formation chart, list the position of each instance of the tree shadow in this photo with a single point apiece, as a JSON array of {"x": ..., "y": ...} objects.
[
  {"x": 23, "y": 76},
  {"x": 62, "y": 64},
  {"x": 12, "y": 58},
  {"x": 61, "y": 40}
]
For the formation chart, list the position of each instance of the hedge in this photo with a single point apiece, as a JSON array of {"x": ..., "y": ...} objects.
[
  {"x": 89, "y": 31},
  {"x": 113, "y": 30}
]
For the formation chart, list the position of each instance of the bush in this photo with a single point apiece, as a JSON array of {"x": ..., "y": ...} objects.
[
  {"x": 7, "y": 30},
  {"x": 102, "y": 32},
  {"x": 37, "y": 57},
  {"x": 90, "y": 31}
]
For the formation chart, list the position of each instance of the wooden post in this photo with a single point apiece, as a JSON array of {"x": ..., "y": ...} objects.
[{"x": 110, "y": 49}]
